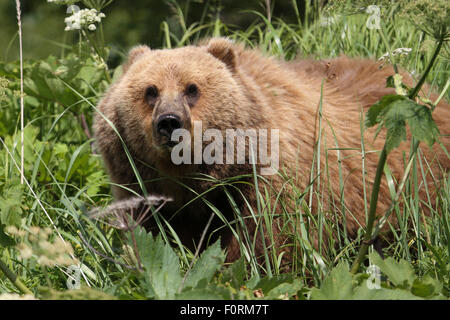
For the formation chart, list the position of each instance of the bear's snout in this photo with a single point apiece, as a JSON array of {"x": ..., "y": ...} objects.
[
  {"x": 169, "y": 114},
  {"x": 166, "y": 124}
]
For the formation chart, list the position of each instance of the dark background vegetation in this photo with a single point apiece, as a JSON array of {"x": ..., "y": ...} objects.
[{"x": 127, "y": 23}]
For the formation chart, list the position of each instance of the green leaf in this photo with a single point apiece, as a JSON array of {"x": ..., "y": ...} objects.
[
  {"x": 206, "y": 266},
  {"x": 390, "y": 82},
  {"x": 394, "y": 112},
  {"x": 118, "y": 72},
  {"x": 267, "y": 283},
  {"x": 236, "y": 273},
  {"x": 375, "y": 111},
  {"x": 400, "y": 273},
  {"x": 212, "y": 292},
  {"x": 285, "y": 289},
  {"x": 60, "y": 149},
  {"x": 43, "y": 81},
  {"x": 422, "y": 125},
  {"x": 161, "y": 265},
  {"x": 11, "y": 205},
  {"x": 5, "y": 240},
  {"x": 426, "y": 287},
  {"x": 336, "y": 286},
  {"x": 363, "y": 292},
  {"x": 393, "y": 294},
  {"x": 395, "y": 135}
]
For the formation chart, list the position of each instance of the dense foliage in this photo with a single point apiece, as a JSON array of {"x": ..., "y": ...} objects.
[{"x": 51, "y": 249}]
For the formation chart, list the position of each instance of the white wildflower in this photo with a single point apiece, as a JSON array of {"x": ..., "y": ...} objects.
[
  {"x": 11, "y": 230},
  {"x": 46, "y": 261},
  {"x": 4, "y": 83},
  {"x": 34, "y": 230},
  {"x": 25, "y": 251},
  {"x": 396, "y": 52},
  {"x": 402, "y": 51},
  {"x": 85, "y": 18},
  {"x": 67, "y": 2},
  {"x": 48, "y": 253}
]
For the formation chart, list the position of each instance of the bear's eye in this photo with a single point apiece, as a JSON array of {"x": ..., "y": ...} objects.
[
  {"x": 151, "y": 94},
  {"x": 192, "y": 90}
]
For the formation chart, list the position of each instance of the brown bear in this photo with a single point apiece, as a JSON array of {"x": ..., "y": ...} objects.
[{"x": 225, "y": 86}]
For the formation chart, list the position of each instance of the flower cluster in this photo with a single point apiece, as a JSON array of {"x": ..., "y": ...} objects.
[
  {"x": 431, "y": 16},
  {"x": 396, "y": 52},
  {"x": 48, "y": 253},
  {"x": 3, "y": 86},
  {"x": 67, "y": 2},
  {"x": 82, "y": 19}
]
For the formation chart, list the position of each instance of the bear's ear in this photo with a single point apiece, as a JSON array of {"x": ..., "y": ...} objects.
[
  {"x": 223, "y": 50},
  {"x": 134, "y": 54}
]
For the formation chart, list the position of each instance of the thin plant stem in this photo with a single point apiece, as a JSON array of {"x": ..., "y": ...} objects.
[
  {"x": 397, "y": 196},
  {"x": 368, "y": 237},
  {"x": 136, "y": 251},
  {"x": 16, "y": 281},
  {"x": 372, "y": 211},
  {"x": 419, "y": 85},
  {"x": 19, "y": 23},
  {"x": 99, "y": 52},
  {"x": 197, "y": 252}
]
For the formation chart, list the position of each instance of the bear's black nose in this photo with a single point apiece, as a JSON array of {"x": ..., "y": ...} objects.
[{"x": 167, "y": 123}]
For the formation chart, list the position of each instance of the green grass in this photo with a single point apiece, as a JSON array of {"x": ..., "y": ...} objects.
[{"x": 65, "y": 178}]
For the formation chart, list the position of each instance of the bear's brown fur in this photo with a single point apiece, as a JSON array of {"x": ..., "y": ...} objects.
[{"x": 241, "y": 88}]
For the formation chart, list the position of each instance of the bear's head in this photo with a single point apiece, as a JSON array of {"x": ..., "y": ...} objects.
[{"x": 164, "y": 90}]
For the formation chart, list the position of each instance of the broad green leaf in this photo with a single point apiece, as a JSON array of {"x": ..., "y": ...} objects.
[
  {"x": 11, "y": 205},
  {"x": 400, "y": 273},
  {"x": 394, "y": 120},
  {"x": 118, "y": 72},
  {"x": 394, "y": 112},
  {"x": 422, "y": 125},
  {"x": 336, "y": 286},
  {"x": 236, "y": 273},
  {"x": 390, "y": 82},
  {"x": 426, "y": 287},
  {"x": 253, "y": 281},
  {"x": 60, "y": 149},
  {"x": 206, "y": 266},
  {"x": 373, "y": 114},
  {"x": 94, "y": 181},
  {"x": 266, "y": 284},
  {"x": 363, "y": 292},
  {"x": 394, "y": 294},
  {"x": 161, "y": 265},
  {"x": 212, "y": 292},
  {"x": 395, "y": 135},
  {"x": 285, "y": 289}
]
